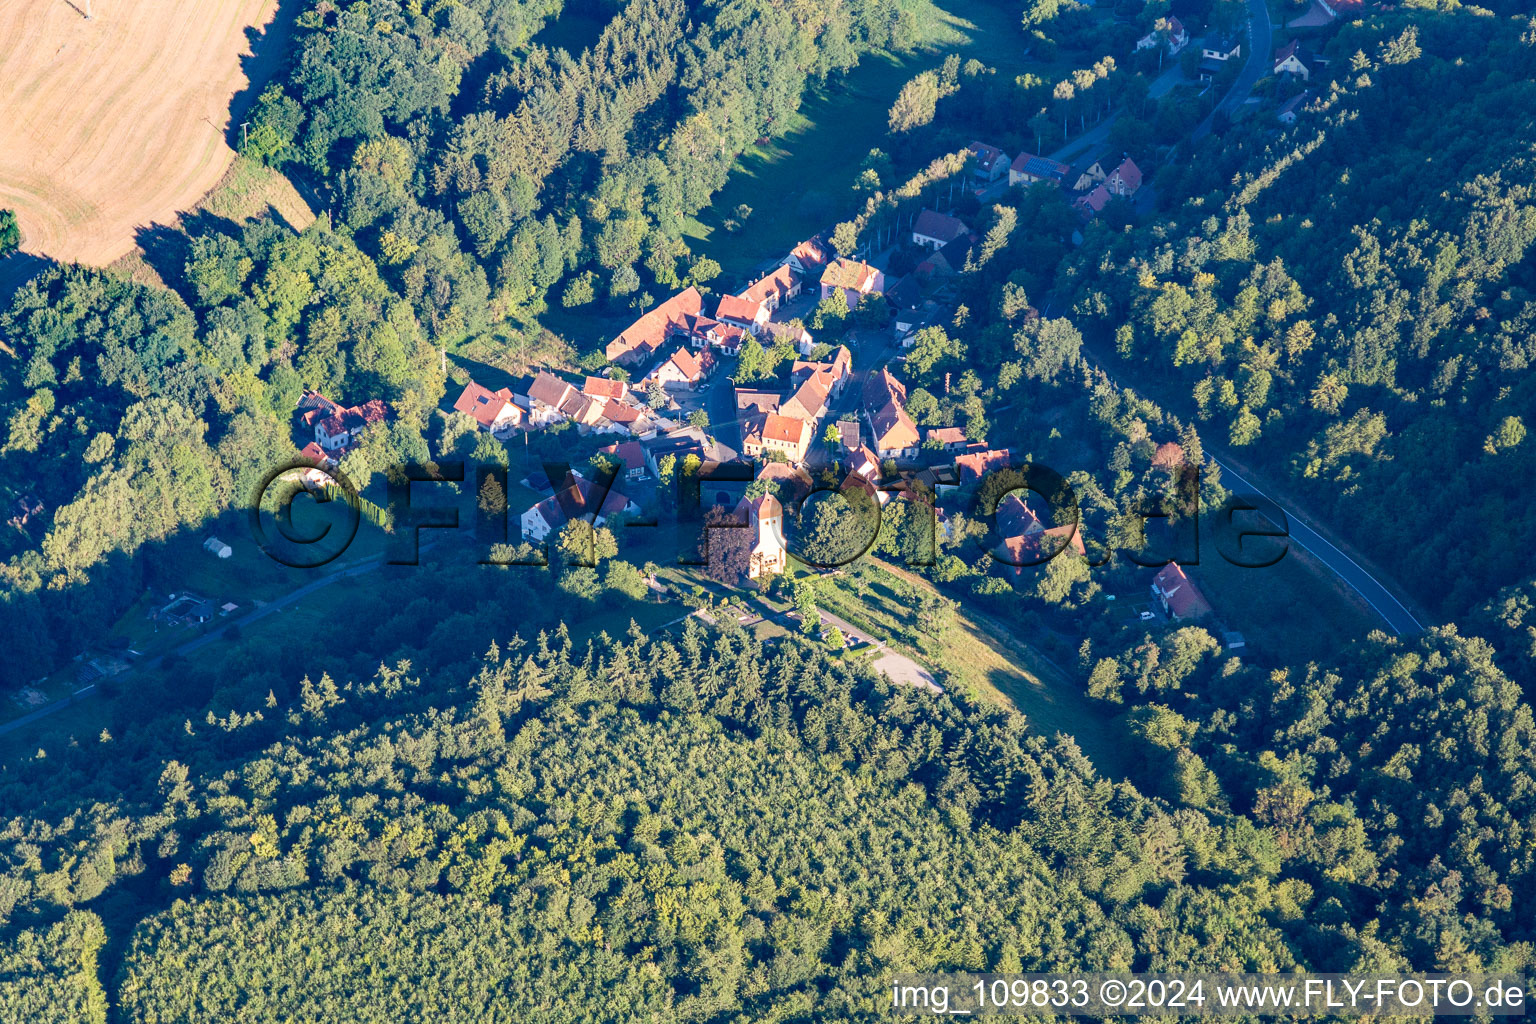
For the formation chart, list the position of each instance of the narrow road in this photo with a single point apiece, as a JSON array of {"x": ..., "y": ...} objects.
[
  {"x": 1260, "y": 49},
  {"x": 1392, "y": 611},
  {"x": 365, "y": 565},
  {"x": 1371, "y": 590}
]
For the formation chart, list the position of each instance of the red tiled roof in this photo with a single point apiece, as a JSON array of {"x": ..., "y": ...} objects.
[
  {"x": 688, "y": 364},
  {"x": 604, "y": 387},
  {"x": 811, "y": 253},
  {"x": 619, "y": 412},
  {"x": 628, "y": 452},
  {"x": 947, "y": 435},
  {"x": 316, "y": 454},
  {"x": 933, "y": 224},
  {"x": 575, "y": 500},
  {"x": 777, "y": 283},
  {"x": 650, "y": 331},
  {"x": 1129, "y": 173},
  {"x": 885, "y": 400},
  {"x": 786, "y": 429},
  {"x": 974, "y": 467},
  {"x": 732, "y": 307},
  {"x": 482, "y": 404},
  {"x": 1184, "y": 598},
  {"x": 1095, "y": 201},
  {"x": 987, "y": 156},
  {"x": 549, "y": 390}
]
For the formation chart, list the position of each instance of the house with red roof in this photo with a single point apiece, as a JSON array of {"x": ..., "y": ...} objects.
[
  {"x": 811, "y": 398},
  {"x": 337, "y": 427},
  {"x": 492, "y": 411},
  {"x": 747, "y": 314},
  {"x": 839, "y": 367},
  {"x": 1177, "y": 595},
  {"x": 947, "y": 439},
  {"x": 1291, "y": 59},
  {"x": 631, "y": 459},
  {"x": 577, "y": 498},
  {"x": 774, "y": 290},
  {"x": 853, "y": 278},
  {"x": 809, "y": 258},
  {"x": 683, "y": 370},
  {"x": 623, "y": 418},
  {"x": 645, "y": 336},
  {"x": 707, "y": 332},
  {"x": 585, "y": 411},
  {"x": 789, "y": 436},
  {"x": 606, "y": 387},
  {"x": 1124, "y": 180},
  {"x": 891, "y": 431},
  {"x": 1092, "y": 204},
  {"x": 973, "y": 467},
  {"x": 991, "y": 162},
  {"x": 1172, "y": 36},
  {"x": 935, "y": 230}
]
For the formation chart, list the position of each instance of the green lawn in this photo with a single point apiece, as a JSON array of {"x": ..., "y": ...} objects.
[
  {"x": 800, "y": 182},
  {"x": 987, "y": 659}
]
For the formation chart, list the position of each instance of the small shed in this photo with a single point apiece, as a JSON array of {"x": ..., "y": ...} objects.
[{"x": 218, "y": 548}]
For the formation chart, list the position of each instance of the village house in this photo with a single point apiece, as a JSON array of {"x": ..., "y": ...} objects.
[
  {"x": 1215, "y": 50},
  {"x": 746, "y": 314},
  {"x": 623, "y": 418},
  {"x": 754, "y": 402},
  {"x": 548, "y": 397},
  {"x": 338, "y": 428},
  {"x": 991, "y": 163},
  {"x": 1177, "y": 595},
  {"x": 1291, "y": 59},
  {"x": 811, "y": 398},
  {"x": 631, "y": 459},
  {"x": 840, "y": 366},
  {"x": 1173, "y": 37},
  {"x": 1292, "y": 107},
  {"x": 1084, "y": 175},
  {"x": 946, "y": 439},
  {"x": 973, "y": 467},
  {"x": 680, "y": 444},
  {"x": 493, "y": 411},
  {"x": 707, "y": 332},
  {"x": 1092, "y": 204},
  {"x": 891, "y": 431},
  {"x": 1029, "y": 169},
  {"x": 765, "y": 519},
  {"x": 862, "y": 462},
  {"x": 934, "y": 230},
  {"x": 809, "y": 258},
  {"x": 641, "y": 339},
  {"x": 576, "y": 498},
  {"x": 785, "y": 435},
  {"x": 1124, "y": 180},
  {"x": 1026, "y": 541},
  {"x": 606, "y": 387},
  {"x": 585, "y": 411},
  {"x": 683, "y": 371},
  {"x": 774, "y": 290},
  {"x": 853, "y": 279}
]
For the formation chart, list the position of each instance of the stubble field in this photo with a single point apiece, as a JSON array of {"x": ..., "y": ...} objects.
[{"x": 117, "y": 122}]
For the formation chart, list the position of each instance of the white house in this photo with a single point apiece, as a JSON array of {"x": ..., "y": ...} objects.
[{"x": 577, "y": 498}]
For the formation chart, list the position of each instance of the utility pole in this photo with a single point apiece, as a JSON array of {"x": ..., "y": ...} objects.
[
  {"x": 87, "y": 10},
  {"x": 244, "y": 136}
]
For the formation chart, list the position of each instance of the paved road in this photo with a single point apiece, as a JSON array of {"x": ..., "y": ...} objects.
[
  {"x": 1260, "y": 49},
  {"x": 1376, "y": 594},
  {"x": 1397, "y": 617},
  {"x": 365, "y": 565}
]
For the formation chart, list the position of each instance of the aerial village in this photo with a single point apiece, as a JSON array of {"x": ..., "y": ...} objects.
[{"x": 668, "y": 402}]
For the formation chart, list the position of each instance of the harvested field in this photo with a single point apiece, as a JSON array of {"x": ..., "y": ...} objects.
[{"x": 117, "y": 122}]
